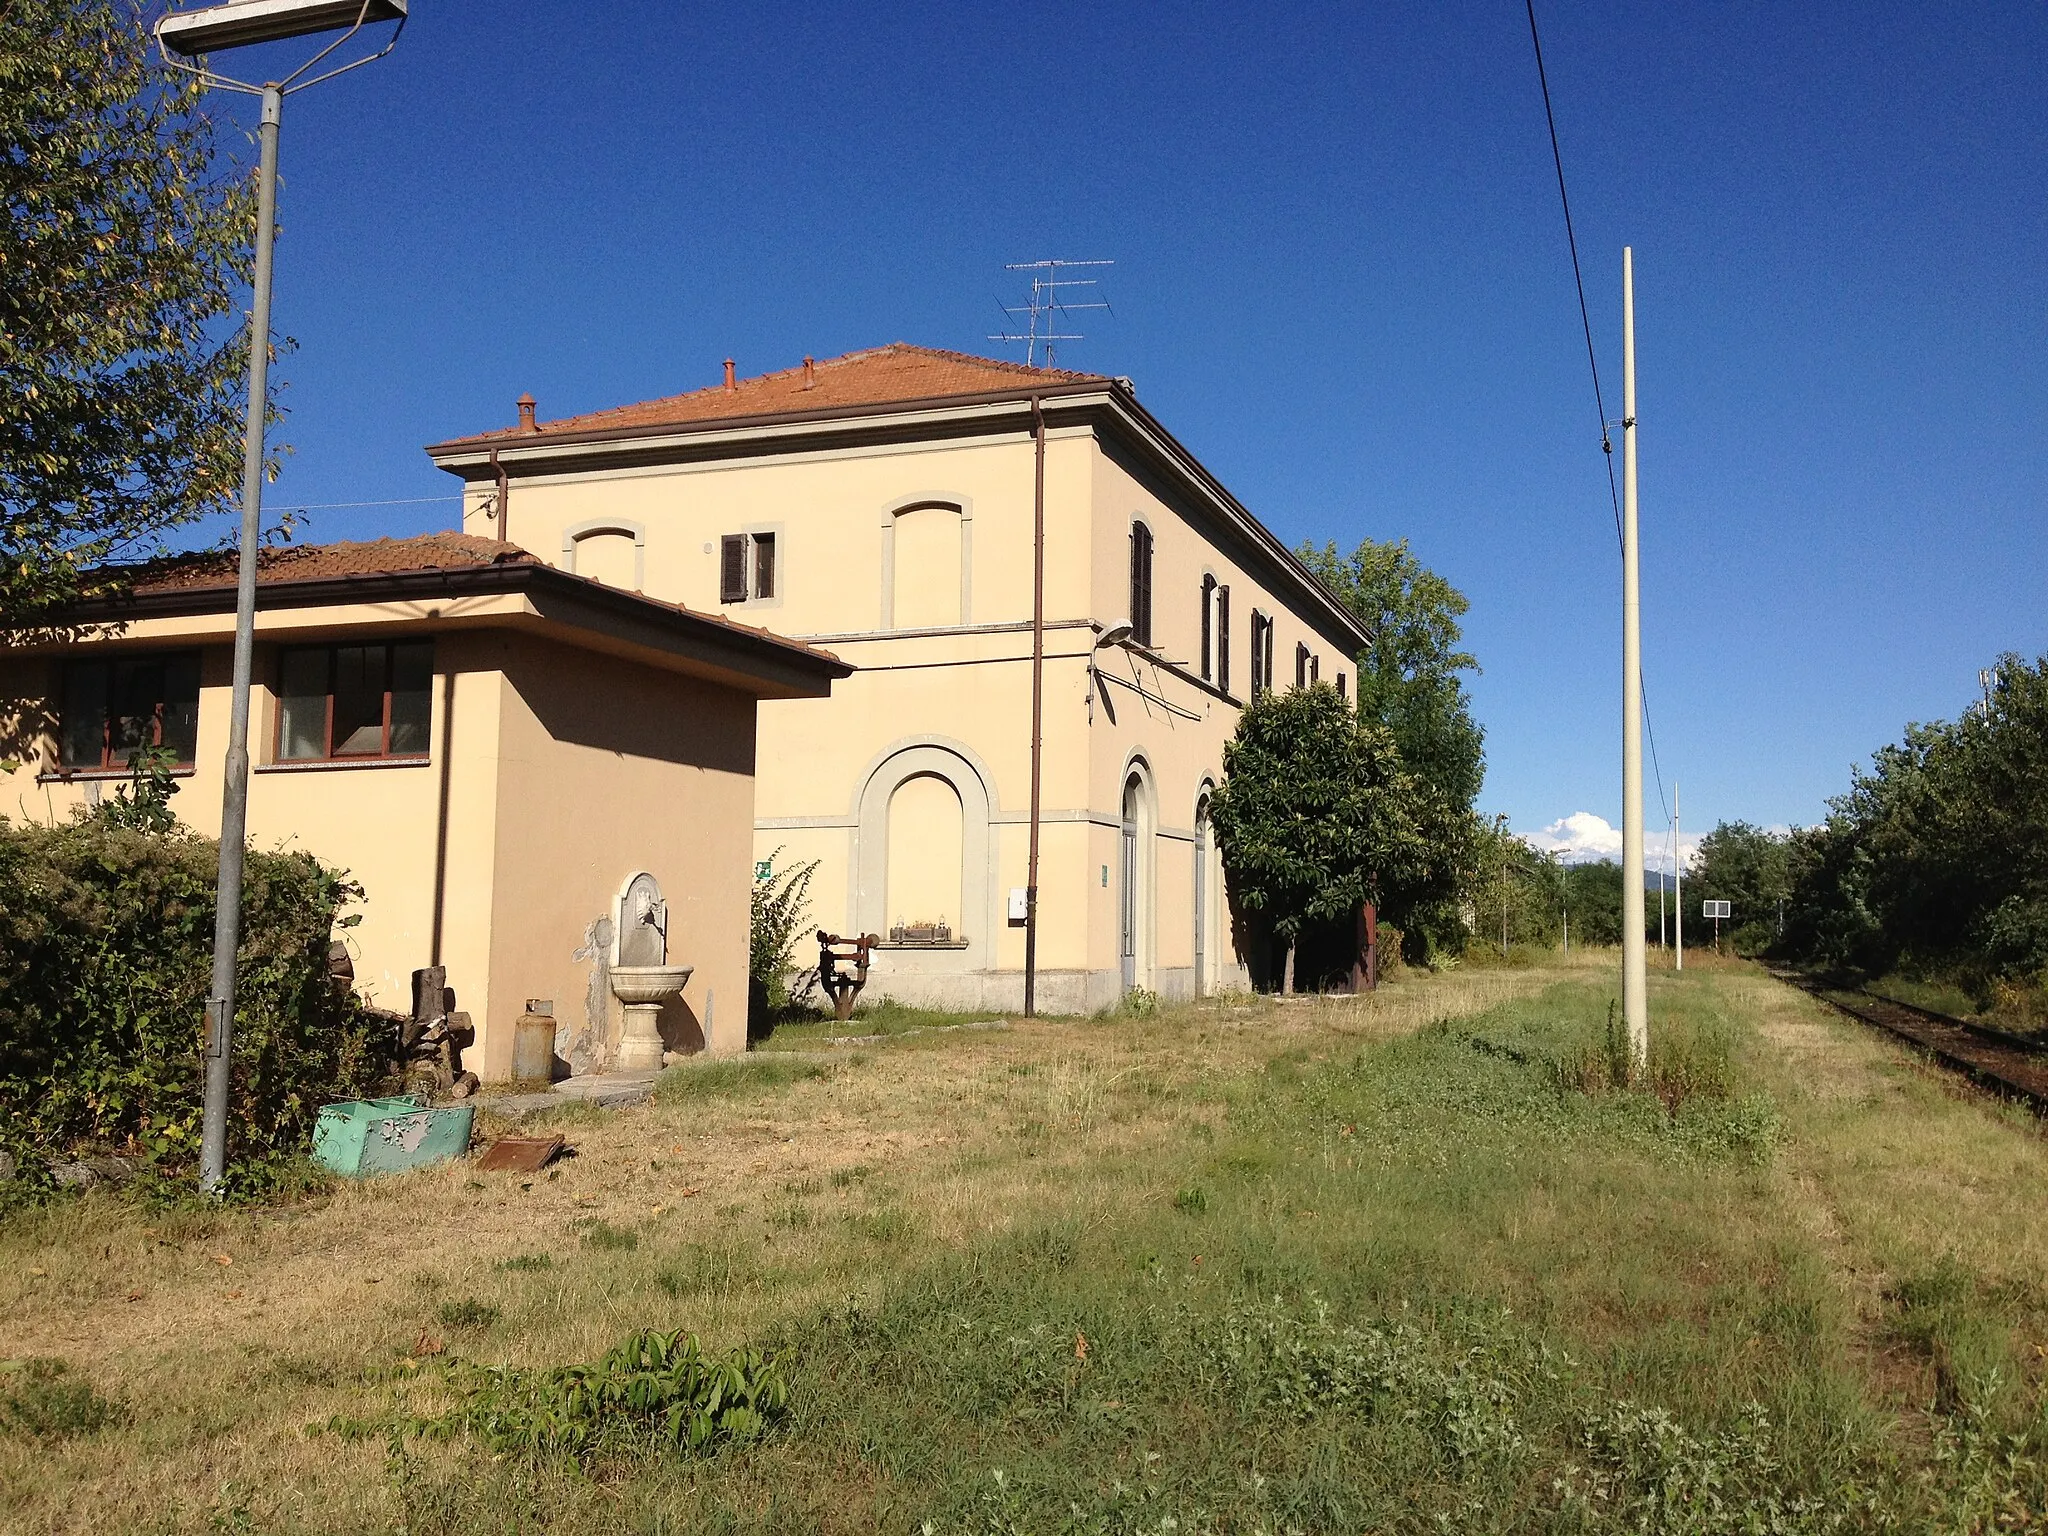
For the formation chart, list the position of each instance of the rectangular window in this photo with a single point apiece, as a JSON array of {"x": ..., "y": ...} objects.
[
  {"x": 1223, "y": 638},
  {"x": 338, "y": 703},
  {"x": 1341, "y": 685},
  {"x": 113, "y": 708},
  {"x": 1141, "y": 584},
  {"x": 746, "y": 567}
]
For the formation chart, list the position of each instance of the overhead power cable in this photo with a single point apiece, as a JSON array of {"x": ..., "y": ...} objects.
[{"x": 1592, "y": 357}]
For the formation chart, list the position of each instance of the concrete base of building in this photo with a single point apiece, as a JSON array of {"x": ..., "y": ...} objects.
[{"x": 1059, "y": 992}]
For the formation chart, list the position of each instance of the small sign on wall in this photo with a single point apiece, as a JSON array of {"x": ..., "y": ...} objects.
[{"x": 1018, "y": 909}]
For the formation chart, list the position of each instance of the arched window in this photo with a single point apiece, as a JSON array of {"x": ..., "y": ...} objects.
[
  {"x": 923, "y": 885},
  {"x": 611, "y": 552},
  {"x": 927, "y": 568},
  {"x": 1136, "y": 924}
]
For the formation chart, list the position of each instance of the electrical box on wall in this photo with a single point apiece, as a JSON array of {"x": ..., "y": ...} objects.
[{"x": 1018, "y": 911}]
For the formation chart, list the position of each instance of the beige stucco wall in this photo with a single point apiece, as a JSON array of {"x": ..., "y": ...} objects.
[
  {"x": 957, "y": 698},
  {"x": 562, "y": 773},
  {"x": 606, "y": 770}
]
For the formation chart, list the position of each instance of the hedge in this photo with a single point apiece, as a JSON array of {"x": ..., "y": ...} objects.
[{"x": 106, "y": 940}]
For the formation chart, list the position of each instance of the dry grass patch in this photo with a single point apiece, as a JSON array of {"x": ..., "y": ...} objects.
[{"x": 1045, "y": 1250}]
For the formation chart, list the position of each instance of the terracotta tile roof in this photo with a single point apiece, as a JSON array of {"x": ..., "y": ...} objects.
[
  {"x": 878, "y": 376},
  {"x": 215, "y": 570},
  {"x": 326, "y": 562}
]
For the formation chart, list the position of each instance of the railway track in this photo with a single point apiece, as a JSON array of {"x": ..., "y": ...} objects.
[{"x": 2002, "y": 1063}]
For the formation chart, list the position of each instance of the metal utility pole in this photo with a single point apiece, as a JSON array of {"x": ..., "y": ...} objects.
[
  {"x": 1502, "y": 824},
  {"x": 1635, "y": 982},
  {"x": 1677, "y": 884},
  {"x": 1037, "y": 702},
  {"x": 234, "y": 810},
  {"x": 199, "y": 35}
]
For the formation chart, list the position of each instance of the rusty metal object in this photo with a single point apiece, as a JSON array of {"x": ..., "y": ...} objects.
[
  {"x": 520, "y": 1154},
  {"x": 843, "y": 969}
]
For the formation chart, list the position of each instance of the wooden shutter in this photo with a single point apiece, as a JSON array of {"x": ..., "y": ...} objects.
[
  {"x": 1141, "y": 584},
  {"x": 1208, "y": 628},
  {"x": 1223, "y": 638},
  {"x": 1301, "y": 666},
  {"x": 1147, "y": 587},
  {"x": 732, "y": 568}
]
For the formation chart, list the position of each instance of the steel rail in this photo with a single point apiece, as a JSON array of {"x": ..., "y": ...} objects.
[{"x": 1996, "y": 1061}]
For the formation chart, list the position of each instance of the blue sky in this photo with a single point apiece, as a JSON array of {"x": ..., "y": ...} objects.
[{"x": 1341, "y": 279}]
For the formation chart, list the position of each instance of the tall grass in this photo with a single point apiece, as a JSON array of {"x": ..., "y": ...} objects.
[{"x": 1333, "y": 1266}]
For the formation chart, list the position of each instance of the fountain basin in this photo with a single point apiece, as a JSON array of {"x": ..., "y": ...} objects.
[{"x": 643, "y": 989}]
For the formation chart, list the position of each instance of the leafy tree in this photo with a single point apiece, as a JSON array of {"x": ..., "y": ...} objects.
[
  {"x": 1936, "y": 859},
  {"x": 124, "y": 245},
  {"x": 1509, "y": 877},
  {"x": 1316, "y": 815},
  {"x": 1592, "y": 894},
  {"x": 1749, "y": 869},
  {"x": 1410, "y": 681}
]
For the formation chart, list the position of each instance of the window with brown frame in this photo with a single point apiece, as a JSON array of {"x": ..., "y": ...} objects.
[
  {"x": 342, "y": 703},
  {"x": 114, "y": 708},
  {"x": 746, "y": 567},
  {"x": 1262, "y": 653},
  {"x": 1141, "y": 584}
]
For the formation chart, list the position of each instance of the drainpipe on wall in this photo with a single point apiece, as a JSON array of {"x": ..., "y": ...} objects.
[
  {"x": 1037, "y": 703},
  {"x": 504, "y": 497}
]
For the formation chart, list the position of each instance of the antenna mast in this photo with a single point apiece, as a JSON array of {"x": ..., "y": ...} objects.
[{"x": 1048, "y": 309}]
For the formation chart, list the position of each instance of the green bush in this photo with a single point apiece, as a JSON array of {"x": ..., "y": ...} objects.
[
  {"x": 39, "y": 1399},
  {"x": 106, "y": 940},
  {"x": 655, "y": 1389}
]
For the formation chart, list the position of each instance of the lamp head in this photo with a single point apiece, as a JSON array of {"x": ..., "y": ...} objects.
[
  {"x": 238, "y": 23},
  {"x": 1116, "y": 634}
]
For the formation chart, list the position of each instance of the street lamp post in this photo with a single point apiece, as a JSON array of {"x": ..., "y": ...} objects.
[{"x": 184, "y": 36}]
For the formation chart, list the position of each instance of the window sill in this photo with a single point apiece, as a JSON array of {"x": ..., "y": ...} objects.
[
  {"x": 316, "y": 764},
  {"x": 922, "y": 944},
  {"x": 102, "y": 775}
]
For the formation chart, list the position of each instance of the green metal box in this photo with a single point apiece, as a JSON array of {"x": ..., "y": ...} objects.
[{"x": 360, "y": 1137}]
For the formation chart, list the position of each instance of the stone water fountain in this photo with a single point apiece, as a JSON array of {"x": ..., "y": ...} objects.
[{"x": 641, "y": 977}]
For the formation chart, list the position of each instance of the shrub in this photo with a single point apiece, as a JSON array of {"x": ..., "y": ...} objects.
[
  {"x": 106, "y": 941},
  {"x": 655, "y": 1388},
  {"x": 468, "y": 1313},
  {"x": 780, "y": 908},
  {"x": 38, "y": 1399}
]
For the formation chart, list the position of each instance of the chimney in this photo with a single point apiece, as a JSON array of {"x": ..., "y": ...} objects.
[
  {"x": 810, "y": 374},
  {"x": 526, "y": 421},
  {"x": 730, "y": 382}
]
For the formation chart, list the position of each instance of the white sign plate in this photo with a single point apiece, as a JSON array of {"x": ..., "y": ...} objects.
[{"x": 1715, "y": 909}]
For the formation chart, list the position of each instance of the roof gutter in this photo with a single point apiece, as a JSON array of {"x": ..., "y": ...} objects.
[
  {"x": 651, "y": 443},
  {"x": 526, "y": 577}
]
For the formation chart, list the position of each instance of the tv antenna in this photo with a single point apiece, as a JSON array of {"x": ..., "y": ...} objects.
[{"x": 1044, "y": 317}]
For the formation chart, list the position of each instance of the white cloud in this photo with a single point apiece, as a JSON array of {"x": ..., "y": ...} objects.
[{"x": 1584, "y": 838}]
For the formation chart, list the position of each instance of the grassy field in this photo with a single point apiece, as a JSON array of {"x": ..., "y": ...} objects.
[{"x": 1406, "y": 1263}]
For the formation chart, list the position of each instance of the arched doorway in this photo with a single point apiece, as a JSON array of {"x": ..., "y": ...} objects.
[
  {"x": 1138, "y": 840},
  {"x": 1204, "y": 897},
  {"x": 923, "y": 881}
]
